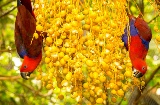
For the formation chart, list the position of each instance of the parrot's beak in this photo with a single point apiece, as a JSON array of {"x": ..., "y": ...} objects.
[
  {"x": 136, "y": 73},
  {"x": 26, "y": 75}
]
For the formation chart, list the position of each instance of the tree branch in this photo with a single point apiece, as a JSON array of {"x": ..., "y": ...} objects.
[
  {"x": 137, "y": 92},
  {"x": 36, "y": 91},
  {"x": 146, "y": 83},
  {"x": 6, "y": 3},
  {"x": 9, "y": 77},
  {"x": 153, "y": 19},
  {"x": 151, "y": 77},
  {"x": 141, "y": 6},
  {"x": 7, "y": 50},
  {"x": 8, "y": 12},
  {"x": 144, "y": 94}
]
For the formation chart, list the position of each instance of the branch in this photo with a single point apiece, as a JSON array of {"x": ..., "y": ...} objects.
[
  {"x": 122, "y": 99},
  {"x": 6, "y": 3},
  {"x": 141, "y": 6},
  {"x": 9, "y": 77},
  {"x": 151, "y": 77},
  {"x": 7, "y": 50},
  {"x": 153, "y": 19},
  {"x": 8, "y": 12},
  {"x": 146, "y": 83},
  {"x": 137, "y": 93},
  {"x": 144, "y": 94},
  {"x": 35, "y": 91}
]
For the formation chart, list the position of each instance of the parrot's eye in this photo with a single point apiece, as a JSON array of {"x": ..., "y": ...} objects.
[
  {"x": 143, "y": 68},
  {"x": 25, "y": 66}
]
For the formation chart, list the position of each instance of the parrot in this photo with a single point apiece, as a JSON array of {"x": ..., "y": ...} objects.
[
  {"x": 136, "y": 39},
  {"x": 28, "y": 48}
]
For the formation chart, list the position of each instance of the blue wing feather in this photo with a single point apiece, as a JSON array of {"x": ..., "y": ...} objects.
[
  {"x": 125, "y": 39},
  {"x": 133, "y": 32},
  {"x": 145, "y": 43},
  {"x": 22, "y": 52},
  {"x": 133, "y": 29},
  {"x": 19, "y": 41},
  {"x": 18, "y": 3}
]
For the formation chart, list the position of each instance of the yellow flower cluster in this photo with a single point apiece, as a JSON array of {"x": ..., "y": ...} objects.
[
  {"x": 85, "y": 57},
  {"x": 157, "y": 38}
]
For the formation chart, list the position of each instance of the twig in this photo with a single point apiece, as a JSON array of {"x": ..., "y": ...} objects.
[
  {"x": 122, "y": 99},
  {"x": 6, "y": 3},
  {"x": 144, "y": 94},
  {"x": 141, "y": 6},
  {"x": 36, "y": 91},
  {"x": 8, "y": 12},
  {"x": 153, "y": 19},
  {"x": 151, "y": 77},
  {"x": 16, "y": 78},
  {"x": 7, "y": 50},
  {"x": 147, "y": 81},
  {"x": 9, "y": 77}
]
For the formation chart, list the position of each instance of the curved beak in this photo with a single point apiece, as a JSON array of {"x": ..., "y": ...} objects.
[
  {"x": 139, "y": 75},
  {"x": 26, "y": 75},
  {"x": 136, "y": 73}
]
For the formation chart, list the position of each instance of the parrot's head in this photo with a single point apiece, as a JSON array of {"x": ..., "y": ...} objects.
[
  {"x": 29, "y": 65},
  {"x": 139, "y": 67}
]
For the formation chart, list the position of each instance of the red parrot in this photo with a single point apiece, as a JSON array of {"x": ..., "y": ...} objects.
[
  {"x": 138, "y": 44},
  {"x": 25, "y": 26}
]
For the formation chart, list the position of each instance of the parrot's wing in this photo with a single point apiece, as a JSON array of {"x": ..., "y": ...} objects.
[
  {"x": 144, "y": 31},
  {"x": 18, "y": 40},
  {"x": 133, "y": 31},
  {"x": 125, "y": 38},
  {"x": 145, "y": 43},
  {"x": 27, "y": 4},
  {"x": 27, "y": 26}
]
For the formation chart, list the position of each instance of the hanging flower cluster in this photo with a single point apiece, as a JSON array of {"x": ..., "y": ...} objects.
[{"x": 86, "y": 61}]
